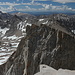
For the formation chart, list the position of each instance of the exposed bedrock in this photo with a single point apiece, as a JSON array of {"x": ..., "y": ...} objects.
[{"x": 44, "y": 44}]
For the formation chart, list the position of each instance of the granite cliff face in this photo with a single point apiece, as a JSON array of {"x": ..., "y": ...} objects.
[{"x": 48, "y": 44}]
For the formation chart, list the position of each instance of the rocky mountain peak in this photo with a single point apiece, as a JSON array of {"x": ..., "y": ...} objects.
[{"x": 46, "y": 40}]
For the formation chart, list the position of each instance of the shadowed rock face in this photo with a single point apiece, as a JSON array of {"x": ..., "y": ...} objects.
[{"x": 44, "y": 44}]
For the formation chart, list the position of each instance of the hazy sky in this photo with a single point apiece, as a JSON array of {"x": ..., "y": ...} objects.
[{"x": 38, "y": 5}]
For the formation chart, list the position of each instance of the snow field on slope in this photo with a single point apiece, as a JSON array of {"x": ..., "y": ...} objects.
[
  {"x": 3, "y": 31},
  {"x": 8, "y": 46},
  {"x": 22, "y": 25},
  {"x": 46, "y": 70}
]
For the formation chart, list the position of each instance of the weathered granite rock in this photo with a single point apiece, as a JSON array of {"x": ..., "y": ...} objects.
[{"x": 48, "y": 44}]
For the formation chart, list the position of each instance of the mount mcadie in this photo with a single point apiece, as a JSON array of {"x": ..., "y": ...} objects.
[{"x": 48, "y": 40}]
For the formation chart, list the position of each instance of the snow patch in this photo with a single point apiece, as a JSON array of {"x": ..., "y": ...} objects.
[
  {"x": 15, "y": 44},
  {"x": 65, "y": 72},
  {"x": 12, "y": 37},
  {"x": 45, "y": 22},
  {"x": 41, "y": 19},
  {"x": 4, "y": 59},
  {"x": 22, "y": 25},
  {"x": 3, "y": 31},
  {"x": 46, "y": 70},
  {"x": 73, "y": 31},
  {"x": 28, "y": 24}
]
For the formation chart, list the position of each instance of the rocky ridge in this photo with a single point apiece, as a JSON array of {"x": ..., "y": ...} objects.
[
  {"x": 47, "y": 41},
  {"x": 48, "y": 44}
]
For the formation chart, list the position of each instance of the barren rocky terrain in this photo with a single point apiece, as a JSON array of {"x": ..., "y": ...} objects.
[{"x": 27, "y": 41}]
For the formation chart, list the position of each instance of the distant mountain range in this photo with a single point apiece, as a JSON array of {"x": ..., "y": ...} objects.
[{"x": 43, "y": 13}]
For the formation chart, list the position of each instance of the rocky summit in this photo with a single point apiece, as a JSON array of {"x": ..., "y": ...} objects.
[{"x": 49, "y": 41}]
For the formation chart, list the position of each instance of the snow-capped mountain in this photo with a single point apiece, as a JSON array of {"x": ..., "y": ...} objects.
[
  {"x": 44, "y": 33},
  {"x": 11, "y": 31},
  {"x": 13, "y": 28}
]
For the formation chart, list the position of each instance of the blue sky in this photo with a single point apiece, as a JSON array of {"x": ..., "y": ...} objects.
[{"x": 67, "y": 6}]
